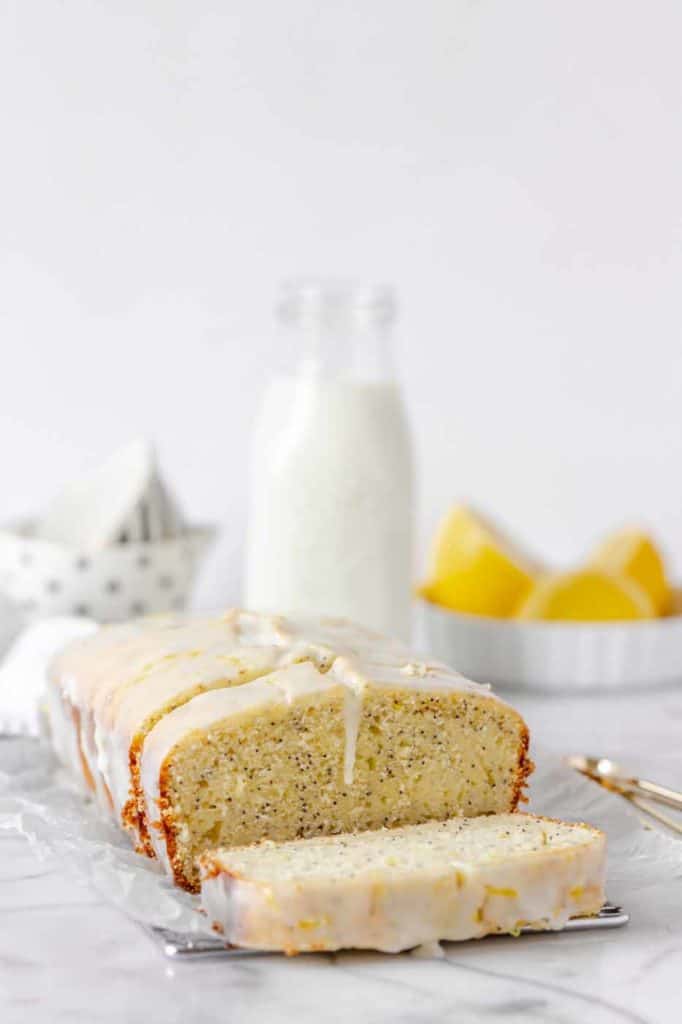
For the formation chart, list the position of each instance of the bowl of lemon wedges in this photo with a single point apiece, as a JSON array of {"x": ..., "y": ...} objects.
[{"x": 502, "y": 617}]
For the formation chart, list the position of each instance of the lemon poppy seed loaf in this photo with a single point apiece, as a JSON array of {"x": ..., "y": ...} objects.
[{"x": 203, "y": 732}]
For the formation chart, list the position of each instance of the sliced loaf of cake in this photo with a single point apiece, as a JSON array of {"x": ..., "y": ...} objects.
[
  {"x": 394, "y": 889},
  {"x": 201, "y": 732}
]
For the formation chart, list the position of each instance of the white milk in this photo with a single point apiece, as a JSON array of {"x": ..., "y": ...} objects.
[{"x": 330, "y": 529}]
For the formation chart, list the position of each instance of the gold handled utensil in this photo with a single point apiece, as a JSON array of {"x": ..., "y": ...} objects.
[{"x": 642, "y": 793}]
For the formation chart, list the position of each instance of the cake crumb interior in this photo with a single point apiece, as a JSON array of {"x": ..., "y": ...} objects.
[{"x": 279, "y": 774}]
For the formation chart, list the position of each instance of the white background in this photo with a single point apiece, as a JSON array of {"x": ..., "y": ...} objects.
[{"x": 515, "y": 169}]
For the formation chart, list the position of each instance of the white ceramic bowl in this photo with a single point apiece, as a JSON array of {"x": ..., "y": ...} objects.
[
  {"x": 116, "y": 583},
  {"x": 556, "y": 656}
]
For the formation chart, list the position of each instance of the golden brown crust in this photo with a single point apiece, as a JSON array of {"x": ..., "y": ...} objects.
[
  {"x": 166, "y": 826},
  {"x": 525, "y": 768},
  {"x": 210, "y": 867},
  {"x": 129, "y": 818},
  {"x": 134, "y": 815}
]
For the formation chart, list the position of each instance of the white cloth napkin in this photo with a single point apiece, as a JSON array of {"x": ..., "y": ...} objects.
[
  {"x": 23, "y": 671},
  {"x": 11, "y": 621}
]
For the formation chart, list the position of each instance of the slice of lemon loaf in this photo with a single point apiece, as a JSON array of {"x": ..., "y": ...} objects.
[
  {"x": 108, "y": 690},
  {"x": 394, "y": 889}
]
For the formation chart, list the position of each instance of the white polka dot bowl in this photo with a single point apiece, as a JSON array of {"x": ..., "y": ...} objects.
[{"x": 115, "y": 583}]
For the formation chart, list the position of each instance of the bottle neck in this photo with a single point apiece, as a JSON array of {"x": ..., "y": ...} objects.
[
  {"x": 342, "y": 352},
  {"x": 343, "y": 330}
]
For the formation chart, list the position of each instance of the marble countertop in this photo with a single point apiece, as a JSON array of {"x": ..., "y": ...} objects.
[{"x": 67, "y": 956}]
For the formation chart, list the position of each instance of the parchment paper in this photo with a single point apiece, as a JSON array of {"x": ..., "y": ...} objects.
[{"x": 38, "y": 801}]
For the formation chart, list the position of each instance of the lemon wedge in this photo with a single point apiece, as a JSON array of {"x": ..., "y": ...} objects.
[
  {"x": 633, "y": 554},
  {"x": 588, "y": 595},
  {"x": 474, "y": 569}
]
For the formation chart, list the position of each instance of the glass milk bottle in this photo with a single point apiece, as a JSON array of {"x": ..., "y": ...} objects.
[{"x": 330, "y": 527}]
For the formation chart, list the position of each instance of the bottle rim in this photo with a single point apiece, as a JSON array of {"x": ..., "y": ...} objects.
[{"x": 328, "y": 301}]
